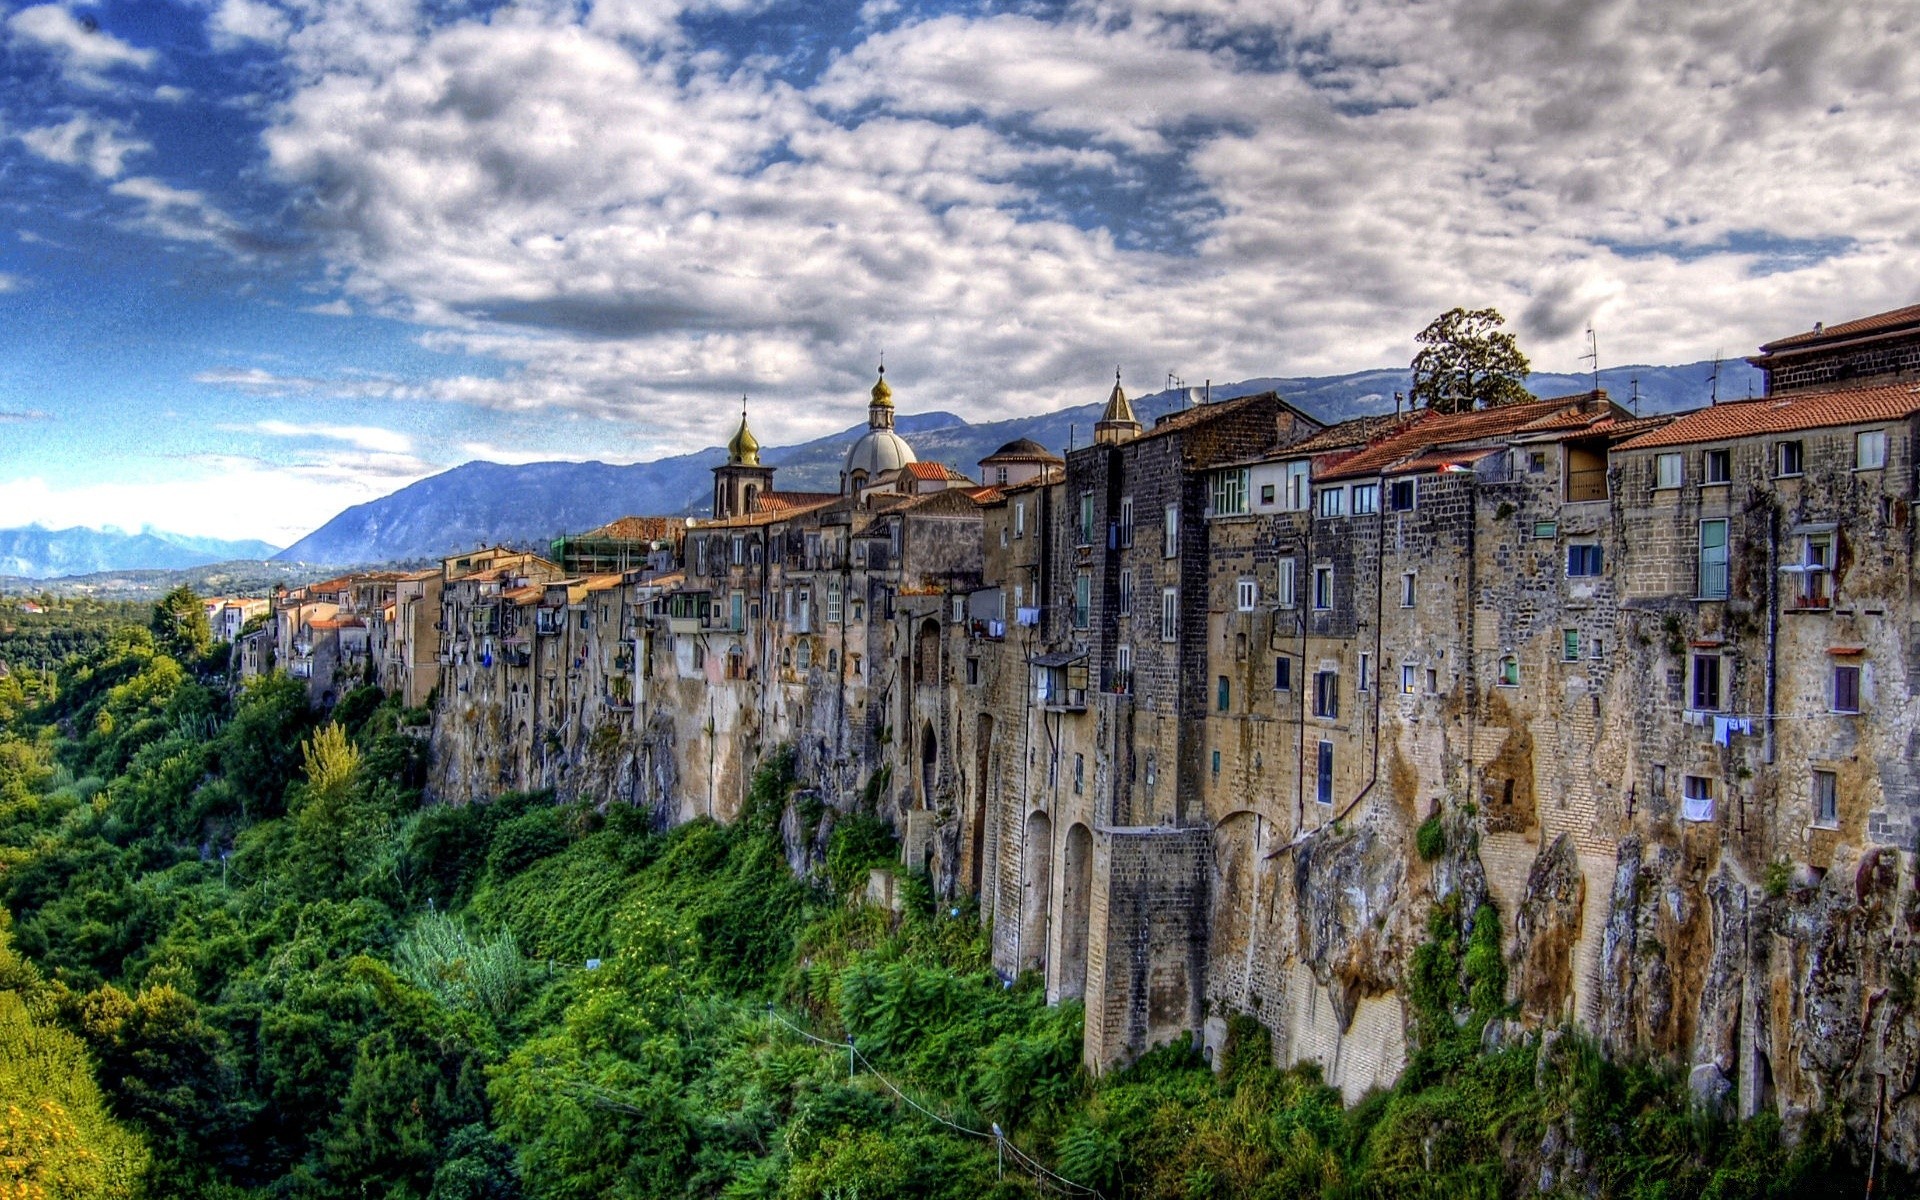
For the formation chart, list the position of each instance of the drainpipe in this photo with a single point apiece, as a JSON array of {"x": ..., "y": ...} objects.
[
  {"x": 1472, "y": 613},
  {"x": 1773, "y": 626},
  {"x": 1379, "y": 621},
  {"x": 1300, "y": 685}
]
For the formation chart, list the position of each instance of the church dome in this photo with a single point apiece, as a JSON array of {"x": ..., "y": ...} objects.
[
  {"x": 878, "y": 451},
  {"x": 744, "y": 449}
]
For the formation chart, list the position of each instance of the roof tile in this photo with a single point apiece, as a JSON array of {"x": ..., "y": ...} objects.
[{"x": 1784, "y": 414}]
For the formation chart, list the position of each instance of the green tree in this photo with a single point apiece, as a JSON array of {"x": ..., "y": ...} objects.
[
  {"x": 180, "y": 626},
  {"x": 1466, "y": 361}
]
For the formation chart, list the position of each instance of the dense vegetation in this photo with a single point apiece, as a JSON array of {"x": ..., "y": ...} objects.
[
  {"x": 42, "y": 631},
  {"x": 244, "y": 959}
]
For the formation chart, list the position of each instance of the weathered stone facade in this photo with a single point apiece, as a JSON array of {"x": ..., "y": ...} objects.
[{"x": 1209, "y": 715}]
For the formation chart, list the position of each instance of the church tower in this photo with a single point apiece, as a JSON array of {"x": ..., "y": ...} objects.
[
  {"x": 739, "y": 484},
  {"x": 879, "y": 450},
  {"x": 1118, "y": 423}
]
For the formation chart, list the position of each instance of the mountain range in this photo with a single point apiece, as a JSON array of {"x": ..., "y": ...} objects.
[
  {"x": 34, "y": 552},
  {"x": 486, "y": 503}
]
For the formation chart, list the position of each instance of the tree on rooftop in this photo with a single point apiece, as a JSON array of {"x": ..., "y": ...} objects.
[{"x": 1466, "y": 361}]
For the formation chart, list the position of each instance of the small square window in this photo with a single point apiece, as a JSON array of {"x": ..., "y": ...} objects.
[
  {"x": 1326, "y": 694},
  {"x": 1400, "y": 495},
  {"x": 1546, "y": 530},
  {"x": 1667, "y": 472},
  {"x": 1719, "y": 466},
  {"x": 1266, "y": 493},
  {"x": 1584, "y": 560},
  {"x": 1787, "y": 458},
  {"x": 1407, "y": 590},
  {"x": 1366, "y": 499},
  {"x": 1846, "y": 689},
  {"x": 1870, "y": 450},
  {"x": 1433, "y": 681},
  {"x": 1537, "y": 462},
  {"x": 1706, "y": 683},
  {"x": 1283, "y": 674},
  {"x": 1697, "y": 798},
  {"x": 1569, "y": 644},
  {"x": 1323, "y": 588},
  {"x": 1509, "y": 671},
  {"x": 1406, "y": 679},
  {"x": 1331, "y": 502},
  {"x": 1826, "y": 799},
  {"x": 1223, "y": 698},
  {"x": 1247, "y": 595}
]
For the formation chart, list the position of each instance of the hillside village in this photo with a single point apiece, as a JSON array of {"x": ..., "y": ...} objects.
[{"x": 1210, "y": 714}]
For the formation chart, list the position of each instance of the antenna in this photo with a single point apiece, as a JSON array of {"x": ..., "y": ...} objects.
[
  {"x": 1592, "y": 356},
  {"x": 1635, "y": 401},
  {"x": 1713, "y": 380}
]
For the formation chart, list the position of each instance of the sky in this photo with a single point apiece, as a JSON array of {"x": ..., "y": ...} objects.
[{"x": 264, "y": 259}]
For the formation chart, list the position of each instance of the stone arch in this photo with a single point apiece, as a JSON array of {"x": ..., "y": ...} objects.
[
  {"x": 982, "y": 762},
  {"x": 1036, "y": 887},
  {"x": 1076, "y": 910},
  {"x": 926, "y": 652},
  {"x": 929, "y": 763},
  {"x": 1232, "y": 903},
  {"x": 748, "y": 496}
]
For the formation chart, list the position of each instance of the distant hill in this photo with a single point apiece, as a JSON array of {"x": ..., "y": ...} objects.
[
  {"x": 37, "y": 553},
  {"x": 483, "y": 503}
]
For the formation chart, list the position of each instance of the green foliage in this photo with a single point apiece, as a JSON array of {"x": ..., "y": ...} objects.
[
  {"x": 859, "y": 842},
  {"x": 1431, "y": 838},
  {"x": 1466, "y": 361},
  {"x": 179, "y": 625}
]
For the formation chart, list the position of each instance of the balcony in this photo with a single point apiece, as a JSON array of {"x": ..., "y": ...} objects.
[{"x": 1060, "y": 680}]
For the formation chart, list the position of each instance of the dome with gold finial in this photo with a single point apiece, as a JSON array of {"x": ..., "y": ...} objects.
[
  {"x": 882, "y": 394},
  {"x": 879, "y": 449},
  {"x": 744, "y": 449}
]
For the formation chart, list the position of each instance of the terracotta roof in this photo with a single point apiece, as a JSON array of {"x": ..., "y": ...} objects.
[
  {"x": 950, "y": 500},
  {"x": 986, "y": 495},
  {"x": 1430, "y": 433},
  {"x": 934, "y": 472},
  {"x": 1785, "y": 414},
  {"x": 1022, "y": 450},
  {"x": 1356, "y": 432},
  {"x": 637, "y": 529},
  {"x": 531, "y": 594},
  {"x": 775, "y": 502},
  {"x": 1443, "y": 458},
  {"x": 1877, "y": 323}
]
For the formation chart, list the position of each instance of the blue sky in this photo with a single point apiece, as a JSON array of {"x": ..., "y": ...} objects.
[{"x": 262, "y": 259}]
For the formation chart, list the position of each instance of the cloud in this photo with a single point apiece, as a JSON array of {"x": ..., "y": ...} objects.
[
  {"x": 85, "y": 53},
  {"x": 100, "y": 146},
  {"x": 236, "y": 23},
  {"x": 180, "y": 214},
  {"x": 11, "y": 283},
  {"x": 366, "y": 437},
  {"x": 22, "y": 417}
]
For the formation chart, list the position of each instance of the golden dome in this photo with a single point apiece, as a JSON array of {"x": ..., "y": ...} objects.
[
  {"x": 882, "y": 394},
  {"x": 744, "y": 449}
]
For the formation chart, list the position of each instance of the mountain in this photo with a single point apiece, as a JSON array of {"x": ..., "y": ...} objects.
[
  {"x": 37, "y": 553},
  {"x": 483, "y": 502}
]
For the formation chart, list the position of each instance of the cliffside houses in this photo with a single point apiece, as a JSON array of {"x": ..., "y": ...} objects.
[{"x": 1208, "y": 714}]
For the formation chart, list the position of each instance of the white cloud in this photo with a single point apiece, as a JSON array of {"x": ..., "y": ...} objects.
[
  {"x": 10, "y": 283},
  {"x": 232, "y": 498},
  {"x": 181, "y": 214},
  {"x": 235, "y": 23},
  {"x": 85, "y": 53},
  {"x": 366, "y": 437},
  {"x": 99, "y": 145}
]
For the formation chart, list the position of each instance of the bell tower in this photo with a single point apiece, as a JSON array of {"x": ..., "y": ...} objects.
[{"x": 739, "y": 484}]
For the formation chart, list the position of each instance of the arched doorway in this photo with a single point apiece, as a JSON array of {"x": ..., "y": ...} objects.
[
  {"x": 1076, "y": 911},
  {"x": 1036, "y": 887},
  {"x": 982, "y": 762},
  {"x": 926, "y": 653},
  {"x": 929, "y": 764}
]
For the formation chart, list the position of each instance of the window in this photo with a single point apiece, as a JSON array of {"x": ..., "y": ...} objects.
[
  {"x": 1583, "y": 560},
  {"x": 1323, "y": 588},
  {"x": 1230, "y": 492},
  {"x": 1870, "y": 450},
  {"x": 1283, "y": 590},
  {"x": 1826, "y": 799},
  {"x": 1509, "y": 671},
  {"x": 1019, "y": 518},
  {"x": 700, "y": 556},
  {"x": 860, "y": 611},
  {"x": 1000, "y": 476},
  {"x": 1326, "y": 693},
  {"x": 1332, "y": 501},
  {"x": 1406, "y": 679},
  {"x": 1787, "y": 458},
  {"x": 1666, "y": 471},
  {"x": 1697, "y": 798},
  {"x": 1266, "y": 495},
  {"x": 1400, "y": 495},
  {"x": 1846, "y": 689},
  {"x": 1596, "y": 649},
  {"x": 1170, "y": 537},
  {"x": 739, "y": 551},
  {"x": 1123, "y": 666},
  {"x": 1283, "y": 674},
  {"x": 1537, "y": 462},
  {"x": 1126, "y": 520},
  {"x": 1323, "y": 775},
  {"x": 1719, "y": 466},
  {"x": 1545, "y": 531},
  {"x": 736, "y": 610},
  {"x": 1169, "y": 613},
  {"x": 1223, "y": 694},
  {"x": 1086, "y": 519},
  {"x": 1079, "y": 773},
  {"x": 1433, "y": 680},
  {"x": 1706, "y": 683},
  {"x": 1713, "y": 559},
  {"x": 1365, "y": 680},
  {"x": 1366, "y": 499},
  {"x": 1216, "y": 762},
  {"x": 1297, "y": 489},
  {"x": 1407, "y": 590},
  {"x": 973, "y": 669},
  {"x": 833, "y": 601},
  {"x": 1125, "y": 598},
  {"x": 1569, "y": 644},
  {"x": 1816, "y": 571},
  {"x": 1082, "y": 600},
  {"x": 1247, "y": 595}
]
